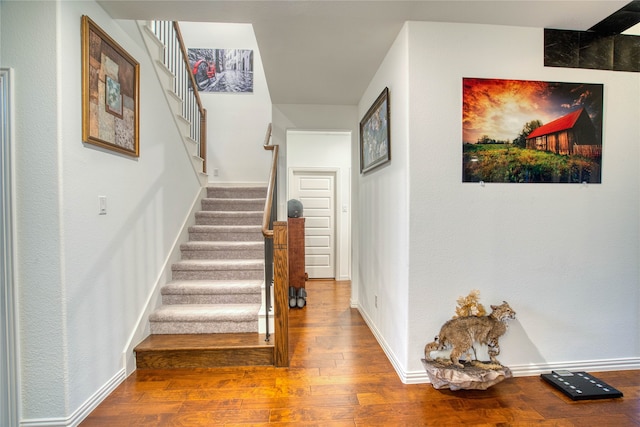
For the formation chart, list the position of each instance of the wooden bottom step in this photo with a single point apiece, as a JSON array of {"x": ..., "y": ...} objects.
[{"x": 204, "y": 351}]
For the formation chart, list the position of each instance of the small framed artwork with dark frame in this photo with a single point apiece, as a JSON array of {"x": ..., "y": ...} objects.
[
  {"x": 110, "y": 92},
  {"x": 375, "y": 132}
]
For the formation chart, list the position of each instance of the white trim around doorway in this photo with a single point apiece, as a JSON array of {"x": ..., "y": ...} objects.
[{"x": 9, "y": 358}]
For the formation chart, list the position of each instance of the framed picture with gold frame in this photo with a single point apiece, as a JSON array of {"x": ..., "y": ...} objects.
[{"x": 110, "y": 92}]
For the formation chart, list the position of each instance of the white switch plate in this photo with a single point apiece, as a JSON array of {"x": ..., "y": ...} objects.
[{"x": 102, "y": 201}]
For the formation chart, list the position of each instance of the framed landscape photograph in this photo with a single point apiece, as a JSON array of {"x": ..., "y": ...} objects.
[
  {"x": 375, "y": 141},
  {"x": 110, "y": 92},
  {"x": 526, "y": 131}
]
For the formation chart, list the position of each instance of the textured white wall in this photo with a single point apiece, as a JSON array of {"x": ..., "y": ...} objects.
[
  {"x": 38, "y": 207},
  {"x": 381, "y": 266},
  {"x": 237, "y": 122},
  {"x": 564, "y": 256},
  {"x": 84, "y": 279}
]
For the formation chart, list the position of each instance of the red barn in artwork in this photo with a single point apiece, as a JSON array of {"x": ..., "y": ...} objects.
[{"x": 573, "y": 133}]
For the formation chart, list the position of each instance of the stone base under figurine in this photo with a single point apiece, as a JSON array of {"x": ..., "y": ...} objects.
[{"x": 474, "y": 376}]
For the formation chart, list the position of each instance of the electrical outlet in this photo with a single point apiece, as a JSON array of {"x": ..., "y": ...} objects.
[
  {"x": 215, "y": 172},
  {"x": 375, "y": 300}
]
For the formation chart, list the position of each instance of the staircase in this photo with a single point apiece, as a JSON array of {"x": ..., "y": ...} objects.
[
  {"x": 209, "y": 313},
  {"x": 210, "y": 310}
]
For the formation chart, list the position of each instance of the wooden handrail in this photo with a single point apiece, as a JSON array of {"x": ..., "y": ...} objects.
[
  {"x": 203, "y": 112},
  {"x": 185, "y": 57},
  {"x": 266, "y": 217}
]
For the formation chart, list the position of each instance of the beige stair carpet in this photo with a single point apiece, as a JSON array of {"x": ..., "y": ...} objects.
[{"x": 216, "y": 286}]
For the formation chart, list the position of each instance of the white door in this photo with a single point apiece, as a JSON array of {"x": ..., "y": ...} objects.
[{"x": 316, "y": 191}]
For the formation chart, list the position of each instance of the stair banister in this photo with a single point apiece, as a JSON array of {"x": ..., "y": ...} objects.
[
  {"x": 267, "y": 219},
  {"x": 176, "y": 59},
  {"x": 267, "y": 231},
  {"x": 196, "y": 97},
  {"x": 276, "y": 261}
]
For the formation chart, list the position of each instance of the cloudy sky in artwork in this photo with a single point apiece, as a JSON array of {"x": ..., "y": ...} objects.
[{"x": 500, "y": 108}]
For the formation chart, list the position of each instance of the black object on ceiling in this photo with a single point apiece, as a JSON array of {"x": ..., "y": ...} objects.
[
  {"x": 602, "y": 47},
  {"x": 619, "y": 21}
]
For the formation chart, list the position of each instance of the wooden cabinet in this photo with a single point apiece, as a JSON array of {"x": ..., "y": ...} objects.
[{"x": 297, "y": 274}]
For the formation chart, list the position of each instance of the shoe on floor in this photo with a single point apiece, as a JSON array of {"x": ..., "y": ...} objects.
[
  {"x": 302, "y": 297},
  {"x": 292, "y": 297}
]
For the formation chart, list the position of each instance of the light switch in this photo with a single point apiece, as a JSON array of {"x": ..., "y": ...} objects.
[{"x": 102, "y": 201}]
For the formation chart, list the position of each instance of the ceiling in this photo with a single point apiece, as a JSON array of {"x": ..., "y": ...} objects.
[{"x": 326, "y": 52}]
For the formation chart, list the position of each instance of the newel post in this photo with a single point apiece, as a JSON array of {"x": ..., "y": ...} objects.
[{"x": 280, "y": 283}]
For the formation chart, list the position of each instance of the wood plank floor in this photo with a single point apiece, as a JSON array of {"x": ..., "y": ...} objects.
[{"x": 339, "y": 376}]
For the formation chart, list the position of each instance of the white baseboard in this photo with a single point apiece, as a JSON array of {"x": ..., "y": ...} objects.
[
  {"x": 390, "y": 355},
  {"x": 84, "y": 410},
  {"x": 420, "y": 377},
  {"x": 624, "y": 364}
]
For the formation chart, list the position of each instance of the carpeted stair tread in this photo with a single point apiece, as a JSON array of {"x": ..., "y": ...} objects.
[
  {"x": 208, "y": 290},
  {"x": 218, "y": 264},
  {"x": 225, "y": 228},
  {"x": 235, "y": 192},
  {"x": 204, "y": 287},
  {"x": 233, "y": 199},
  {"x": 206, "y": 245},
  {"x": 217, "y": 204},
  {"x": 218, "y": 233},
  {"x": 222, "y": 249},
  {"x": 206, "y": 313},
  {"x": 234, "y": 214},
  {"x": 229, "y": 217}
]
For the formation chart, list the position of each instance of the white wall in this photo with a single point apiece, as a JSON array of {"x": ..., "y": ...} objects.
[
  {"x": 237, "y": 122},
  {"x": 382, "y": 237},
  {"x": 38, "y": 245},
  {"x": 564, "y": 256},
  {"x": 327, "y": 150},
  {"x": 84, "y": 279}
]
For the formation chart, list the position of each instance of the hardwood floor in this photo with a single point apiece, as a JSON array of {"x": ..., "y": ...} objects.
[{"x": 339, "y": 376}]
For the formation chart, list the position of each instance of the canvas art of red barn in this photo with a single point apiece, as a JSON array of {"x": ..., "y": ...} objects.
[{"x": 572, "y": 134}]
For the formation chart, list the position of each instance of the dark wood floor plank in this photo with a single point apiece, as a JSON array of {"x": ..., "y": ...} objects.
[{"x": 338, "y": 377}]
